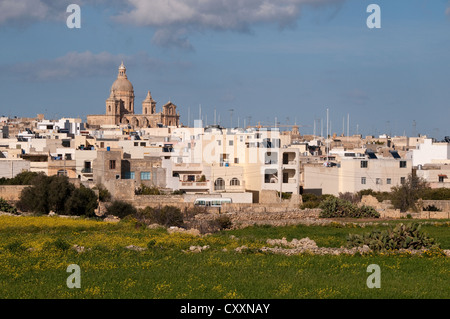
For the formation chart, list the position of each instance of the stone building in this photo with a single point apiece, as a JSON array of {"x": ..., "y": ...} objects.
[{"x": 120, "y": 108}]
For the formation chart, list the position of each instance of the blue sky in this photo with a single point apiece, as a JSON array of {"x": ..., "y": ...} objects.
[{"x": 286, "y": 59}]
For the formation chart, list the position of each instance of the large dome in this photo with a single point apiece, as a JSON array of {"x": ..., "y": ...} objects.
[{"x": 122, "y": 83}]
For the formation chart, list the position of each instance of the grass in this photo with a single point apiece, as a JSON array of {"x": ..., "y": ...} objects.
[{"x": 108, "y": 270}]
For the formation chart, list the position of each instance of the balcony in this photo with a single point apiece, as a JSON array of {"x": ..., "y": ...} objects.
[
  {"x": 87, "y": 171},
  {"x": 194, "y": 185}
]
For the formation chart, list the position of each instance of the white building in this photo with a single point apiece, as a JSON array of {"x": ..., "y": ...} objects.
[
  {"x": 430, "y": 153},
  {"x": 353, "y": 174}
]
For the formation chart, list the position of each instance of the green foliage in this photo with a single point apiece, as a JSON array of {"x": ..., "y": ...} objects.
[
  {"x": 103, "y": 194},
  {"x": 6, "y": 207},
  {"x": 401, "y": 237},
  {"x": 313, "y": 201},
  {"x": 380, "y": 196},
  {"x": 431, "y": 208},
  {"x": 120, "y": 209},
  {"x": 145, "y": 190},
  {"x": 57, "y": 194},
  {"x": 83, "y": 201},
  {"x": 166, "y": 216},
  {"x": 58, "y": 244},
  {"x": 23, "y": 178},
  {"x": 404, "y": 197},
  {"x": 337, "y": 207},
  {"x": 16, "y": 246},
  {"x": 436, "y": 194},
  {"x": 223, "y": 222}
]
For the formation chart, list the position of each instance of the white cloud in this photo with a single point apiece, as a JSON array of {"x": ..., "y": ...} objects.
[{"x": 174, "y": 17}]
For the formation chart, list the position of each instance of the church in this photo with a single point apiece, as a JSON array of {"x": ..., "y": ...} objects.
[{"x": 120, "y": 108}]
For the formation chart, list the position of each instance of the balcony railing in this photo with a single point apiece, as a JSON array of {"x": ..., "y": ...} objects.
[{"x": 87, "y": 170}]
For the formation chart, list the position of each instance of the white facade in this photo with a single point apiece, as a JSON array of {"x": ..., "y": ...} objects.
[
  {"x": 429, "y": 152},
  {"x": 356, "y": 174}
]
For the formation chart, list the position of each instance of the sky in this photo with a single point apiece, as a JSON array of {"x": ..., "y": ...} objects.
[{"x": 245, "y": 61}]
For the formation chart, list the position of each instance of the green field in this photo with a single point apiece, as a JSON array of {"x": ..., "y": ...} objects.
[{"x": 36, "y": 251}]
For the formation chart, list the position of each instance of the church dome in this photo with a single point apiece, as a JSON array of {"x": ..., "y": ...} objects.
[{"x": 122, "y": 83}]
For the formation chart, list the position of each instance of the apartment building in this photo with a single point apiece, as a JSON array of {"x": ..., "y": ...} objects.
[{"x": 356, "y": 172}]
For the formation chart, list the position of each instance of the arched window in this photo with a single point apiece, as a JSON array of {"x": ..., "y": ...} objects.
[
  {"x": 219, "y": 184},
  {"x": 109, "y": 107},
  {"x": 235, "y": 182}
]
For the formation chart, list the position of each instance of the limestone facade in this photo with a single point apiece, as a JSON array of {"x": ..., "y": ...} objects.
[{"x": 120, "y": 108}]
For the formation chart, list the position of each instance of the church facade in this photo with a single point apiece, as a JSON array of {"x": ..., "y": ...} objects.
[{"x": 120, "y": 108}]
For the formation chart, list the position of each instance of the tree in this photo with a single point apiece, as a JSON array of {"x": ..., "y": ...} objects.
[
  {"x": 57, "y": 194},
  {"x": 83, "y": 201},
  {"x": 405, "y": 196}
]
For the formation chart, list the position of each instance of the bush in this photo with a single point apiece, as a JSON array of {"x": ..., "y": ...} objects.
[
  {"x": 401, "y": 237},
  {"x": 6, "y": 207},
  {"x": 436, "y": 194},
  {"x": 313, "y": 201},
  {"x": 223, "y": 222},
  {"x": 166, "y": 216},
  {"x": 380, "y": 196},
  {"x": 23, "y": 178},
  {"x": 336, "y": 207},
  {"x": 431, "y": 208},
  {"x": 83, "y": 201},
  {"x": 120, "y": 209},
  {"x": 145, "y": 190},
  {"x": 103, "y": 194}
]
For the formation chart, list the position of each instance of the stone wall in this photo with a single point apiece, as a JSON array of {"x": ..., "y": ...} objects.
[{"x": 11, "y": 192}]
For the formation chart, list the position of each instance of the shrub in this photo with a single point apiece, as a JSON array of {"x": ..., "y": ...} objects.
[
  {"x": 23, "y": 178},
  {"x": 83, "y": 201},
  {"x": 431, "y": 208},
  {"x": 103, "y": 194},
  {"x": 436, "y": 194},
  {"x": 166, "y": 216},
  {"x": 223, "y": 222},
  {"x": 145, "y": 190},
  {"x": 6, "y": 207},
  {"x": 335, "y": 207},
  {"x": 120, "y": 209},
  {"x": 401, "y": 237}
]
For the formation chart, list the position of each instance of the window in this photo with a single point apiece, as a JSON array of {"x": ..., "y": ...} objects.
[
  {"x": 402, "y": 180},
  {"x": 219, "y": 184},
  {"x": 112, "y": 164},
  {"x": 402, "y": 164},
  {"x": 235, "y": 182},
  {"x": 62, "y": 172},
  {"x": 230, "y": 143},
  {"x": 363, "y": 180},
  {"x": 128, "y": 175},
  {"x": 142, "y": 143},
  {"x": 388, "y": 181},
  {"x": 363, "y": 164},
  {"x": 236, "y": 160},
  {"x": 378, "y": 181},
  {"x": 219, "y": 142},
  {"x": 146, "y": 176}
]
